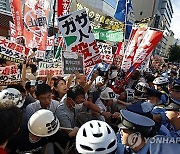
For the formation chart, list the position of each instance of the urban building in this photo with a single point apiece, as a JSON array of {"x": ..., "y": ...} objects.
[
  {"x": 161, "y": 12},
  {"x": 5, "y": 17}
]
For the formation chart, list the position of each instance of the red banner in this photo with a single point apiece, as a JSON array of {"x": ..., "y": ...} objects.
[
  {"x": 144, "y": 49},
  {"x": 36, "y": 13},
  {"x": 63, "y": 7},
  {"x": 136, "y": 38},
  {"x": 16, "y": 9}
]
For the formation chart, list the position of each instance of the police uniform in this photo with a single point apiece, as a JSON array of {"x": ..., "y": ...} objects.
[
  {"x": 137, "y": 123},
  {"x": 159, "y": 107},
  {"x": 145, "y": 109},
  {"x": 173, "y": 106}
]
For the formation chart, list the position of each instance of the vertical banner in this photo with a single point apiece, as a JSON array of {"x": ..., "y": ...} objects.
[
  {"x": 76, "y": 30},
  {"x": 135, "y": 40},
  {"x": 145, "y": 48},
  {"x": 63, "y": 7},
  {"x": 36, "y": 14},
  {"x": 16, "y": 9}
]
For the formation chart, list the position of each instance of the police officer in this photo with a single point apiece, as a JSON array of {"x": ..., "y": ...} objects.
[
  {"x": 173, "y": 115},
  {"x": 134, "y": 129}
]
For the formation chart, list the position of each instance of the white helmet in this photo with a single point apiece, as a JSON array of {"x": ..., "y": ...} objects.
[
  {"x": 13, "y": 95},
  {"x": 141, "y": 86},
  {"x": 130, "y": 94},
  {"x": 107, "y": 94},
  {"x": 96, "y": 137},
  {"x": 43, "y": 123},
  {"x": 160, "y": 80}
]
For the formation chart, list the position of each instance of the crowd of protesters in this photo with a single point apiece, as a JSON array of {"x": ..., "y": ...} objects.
[{"x": 71, "y": 114}]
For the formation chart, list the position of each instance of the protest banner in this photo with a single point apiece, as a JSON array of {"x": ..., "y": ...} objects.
[
  {"x": 100, "y": 20},
  {"x": 12, "y": 32},
  {"x": 106, "y": 52},
  {"x": 36, "y": 13},
  {"x": 76, "y": 30},
  {"x": 16, "y": 9},
  {"x": 45, "y": 68},
  {"x": 12, "y": 51},
  {"x": 135, "y": 39},
  {"x": 63, "y": 7},
  {"x": 145, "y": 47},
  {"x": 9, "y": 75},
  {"x": 72, "y": 62}
]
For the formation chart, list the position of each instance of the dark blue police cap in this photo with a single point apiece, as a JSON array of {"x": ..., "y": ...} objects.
[
  {"x": 153, "y": 92},
  {"x": 134, "y": 121},
  {"x": 176, "y": 85},
  {"x": 143, "y": 108},
  {"x": 174, "y": 105}
]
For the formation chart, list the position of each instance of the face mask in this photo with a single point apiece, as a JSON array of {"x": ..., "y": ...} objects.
[
  {"x": 78, "y": 106},
  {"x": 102, "y": 87},
  {"x": 155, "y": 86}
]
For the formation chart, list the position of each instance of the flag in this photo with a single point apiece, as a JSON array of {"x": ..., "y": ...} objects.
[{"x": 124, "y": 13}]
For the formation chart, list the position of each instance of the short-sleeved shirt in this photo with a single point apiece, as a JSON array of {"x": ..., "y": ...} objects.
[
  {"x": 33, "y": 107},
  {"x": 66, "y": 116}
]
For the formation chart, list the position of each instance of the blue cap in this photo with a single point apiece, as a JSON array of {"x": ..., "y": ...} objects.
[
  {"x": 143, "y": 108},
  {"x": 134, "y": 121},
  {"x": 176, "y": 85},
  {"x": 153, "y": 92},
  {"x": 174, "y": 105}
]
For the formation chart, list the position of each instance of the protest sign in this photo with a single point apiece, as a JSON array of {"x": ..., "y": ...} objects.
[
  {"x": 36, "y": 13},
  {"x": 76, "y": 30},
  {"x": 45, "y": 68},
  {"x": 72, "y": 62},
  {"x": 63, "y": 7},
  {"x": 12, "y": 51},
  {"x": 9, "y": 75},
  {"x": 106, "y": 52},
  {"x": 16, "y": 9}
]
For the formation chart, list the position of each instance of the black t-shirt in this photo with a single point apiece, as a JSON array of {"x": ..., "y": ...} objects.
[{"x": 20, "y": 143}]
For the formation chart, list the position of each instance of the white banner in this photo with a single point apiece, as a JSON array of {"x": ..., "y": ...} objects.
[
  {"x": 76, "y": 30},
  {"x": 106, "y": 52},
  {"x": 9, "y": 75},
  {"x": 53, "y": 69}
]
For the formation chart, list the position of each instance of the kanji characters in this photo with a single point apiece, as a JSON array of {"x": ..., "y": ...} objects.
[
  {"x": 68, "y": 25},
  {"x": 82, "y": 20}
]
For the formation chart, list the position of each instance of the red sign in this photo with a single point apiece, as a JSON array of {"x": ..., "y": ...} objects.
[
  {"x": 63, "y": 7},
  {"x": 16, "y": 9},
  {"x": 36, "y": 13}
]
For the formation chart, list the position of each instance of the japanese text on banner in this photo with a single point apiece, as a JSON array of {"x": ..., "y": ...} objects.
[{"x": 78, "y": 36}]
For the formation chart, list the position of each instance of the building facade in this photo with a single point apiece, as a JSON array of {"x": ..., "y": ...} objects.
[
  {"x": 161, "y": 12},
  {"x": 5, "y": 17}
]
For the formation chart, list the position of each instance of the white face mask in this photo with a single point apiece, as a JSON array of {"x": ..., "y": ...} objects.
[
  {"x": 78, "y": 106},
  {"x": 102, "y": 87},
  {"x": 155, "y": 86}
]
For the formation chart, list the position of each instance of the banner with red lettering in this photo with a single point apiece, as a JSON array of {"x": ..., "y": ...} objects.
[
  {"x": 145, "y": 48},
  {"x": 9, "y": 75},
  {"x": 63, "y": 7},
  {"x": 135, "y": 39},
  {"x": 16, "y": 9},
  {"x": 36, "y": 13},
  {"x": 12, "y": 51},
  {"x": 76, "y": 30}
]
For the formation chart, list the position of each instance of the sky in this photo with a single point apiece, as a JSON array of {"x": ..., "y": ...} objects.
[{"x": 175, "y": 25}]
